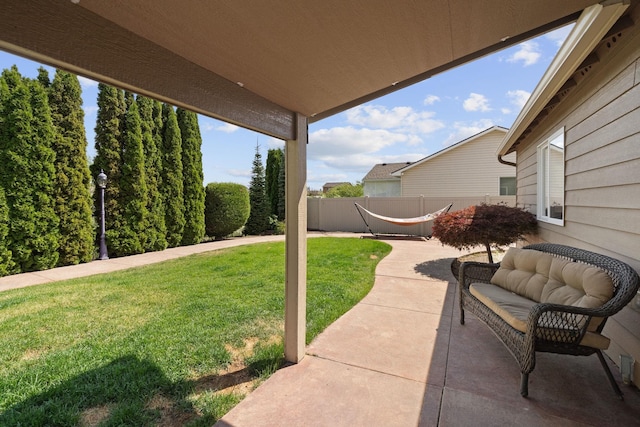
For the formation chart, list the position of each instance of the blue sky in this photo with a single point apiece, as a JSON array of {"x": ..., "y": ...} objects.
[{"x": 407, "y": 125}]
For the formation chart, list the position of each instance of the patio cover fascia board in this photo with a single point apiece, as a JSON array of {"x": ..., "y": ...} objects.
[
  {"x": 126, "y": 60},
  {"x": 590, "y": 28},
  {"x": 458, "y": 144}
]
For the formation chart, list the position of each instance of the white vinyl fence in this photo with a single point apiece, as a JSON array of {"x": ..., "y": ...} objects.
[{"x": 340, "y": 214}]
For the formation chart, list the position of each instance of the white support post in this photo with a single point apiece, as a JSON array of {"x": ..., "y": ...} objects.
[{"x": 295, "y": 315}]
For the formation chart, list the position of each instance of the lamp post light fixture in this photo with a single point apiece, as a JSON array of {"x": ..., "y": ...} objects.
[{"x": 102, "y": 184}]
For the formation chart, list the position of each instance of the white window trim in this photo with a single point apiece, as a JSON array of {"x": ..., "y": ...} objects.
[{"x": 541, "y": 175}]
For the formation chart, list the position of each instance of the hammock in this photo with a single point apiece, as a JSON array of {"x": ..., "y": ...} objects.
[{"x": 402, "y": 221}]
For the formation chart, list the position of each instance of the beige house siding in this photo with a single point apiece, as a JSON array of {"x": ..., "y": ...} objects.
[
  {"x": 602, "y": 171},
  {"x": 464, "y": 171}
]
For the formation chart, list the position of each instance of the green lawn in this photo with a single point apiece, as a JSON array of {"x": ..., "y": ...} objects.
[{"x": 155, "y": 344}]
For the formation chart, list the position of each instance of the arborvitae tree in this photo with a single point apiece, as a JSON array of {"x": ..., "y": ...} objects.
[
  {"x": 156, "y": 231},
  {"x": 27, "y": 173},
  {"x": 133, "y": 188},
  {"x": 192, "y": 176},
  {"x": 172, "y": 179},
  {"x": 45, "y": 249},
  {"x": 258, "y": 221},
  {"x": 5, "y": 253},
  {"x": 43, "y": 77},
  {"x": 281, "y": 189},
  {"x": 111, "y": 110},
  {"x": 72, "y": 194},
  {"x": 272, "y": 173}
]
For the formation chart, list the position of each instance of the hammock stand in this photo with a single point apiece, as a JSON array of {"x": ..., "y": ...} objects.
[{"x": 400, "y": 221}]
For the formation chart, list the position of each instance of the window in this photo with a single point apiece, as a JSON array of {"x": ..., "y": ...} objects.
[
  {"x": 508, "y": 186},
  {"x": 551, "y": 179}
]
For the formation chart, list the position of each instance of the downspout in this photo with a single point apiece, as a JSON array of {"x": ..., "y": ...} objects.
[{"x": 505, "y": 162}]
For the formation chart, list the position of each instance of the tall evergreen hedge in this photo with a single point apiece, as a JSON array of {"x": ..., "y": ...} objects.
[
  {"x": 133, "y": 187},
  {"x": 156, "y": 231},
  {"x": 111, "y": 111},
  {"x": 272, "y": 173},
  {"x": 72, "y": 195},
  {"x": 281, "y": 189},
  {"x": 27, "y": 172},
  {"x": 5, "y": 253},
  {"x": 172, "y": 178},
  {"x": 193, "y": 187}
]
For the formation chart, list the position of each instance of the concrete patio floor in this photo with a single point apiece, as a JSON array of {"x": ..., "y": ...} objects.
[{"x": 401, "y": 358}]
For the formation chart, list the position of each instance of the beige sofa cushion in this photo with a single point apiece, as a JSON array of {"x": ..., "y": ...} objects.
[
  {"x": 524, "y": 272},
  {"x": 579, "y": 285},
  {"x": 514, "y": 309}
]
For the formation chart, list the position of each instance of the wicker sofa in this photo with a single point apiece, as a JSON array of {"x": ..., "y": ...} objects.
[{"x": 547, "y": 298}]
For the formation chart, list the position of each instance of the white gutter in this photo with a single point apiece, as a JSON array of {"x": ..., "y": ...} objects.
[{"x": 593, "y": 24}]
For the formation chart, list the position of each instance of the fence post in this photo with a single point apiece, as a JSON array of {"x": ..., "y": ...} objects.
[{"x": 422, "y": 212}]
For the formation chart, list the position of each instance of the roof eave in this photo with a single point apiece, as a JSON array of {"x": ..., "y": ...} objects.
[{"x": 592, "y": 25}]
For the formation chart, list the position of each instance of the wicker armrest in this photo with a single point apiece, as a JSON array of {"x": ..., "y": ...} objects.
[
  {"x": 474, "y": 272},
  {"x": 560, "y": 323}
]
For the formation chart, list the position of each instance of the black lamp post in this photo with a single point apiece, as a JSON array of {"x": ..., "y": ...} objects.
[{"x": 102, "y": 183}]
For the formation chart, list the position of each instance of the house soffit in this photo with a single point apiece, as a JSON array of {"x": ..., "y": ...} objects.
[
  {"x": 272, "y": 59},
  {"x": 572, "y": 67}
]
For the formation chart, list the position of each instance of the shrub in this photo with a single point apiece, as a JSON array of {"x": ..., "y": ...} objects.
[
  {"x": 485, "y": 225},
  {"x": 226, "y": 208},
  {"x": 276, "y": 226},
  {"x": 346, "y": 190}
]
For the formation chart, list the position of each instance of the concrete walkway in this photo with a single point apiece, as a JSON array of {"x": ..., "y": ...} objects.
[{"x": 401, "y": 358}]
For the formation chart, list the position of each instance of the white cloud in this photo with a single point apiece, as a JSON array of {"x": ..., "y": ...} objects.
[
  {"x": 348, "y": 148},
  {"x": 528, "y": 53},
  {"x": 518, "y": 97},
  {"x": 273, "y": 143},
  {"x": 476, "y": 102},
  {"x": 242, "y": 173},
  {"x": 431, "y": 99},
  {"x": 505, "y": 111},
  {"x": 85, "y": 82},
  {"x": 463, "y": 130},
  {"x": 89, "y": 110},
  {"x": 226, "y": 128},
  {"x": 401, "y": 119}
]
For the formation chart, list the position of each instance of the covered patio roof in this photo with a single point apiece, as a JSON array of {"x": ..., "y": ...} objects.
[
  {"x": 272, "y": 66},
  {"x": 255, "y": 64}
]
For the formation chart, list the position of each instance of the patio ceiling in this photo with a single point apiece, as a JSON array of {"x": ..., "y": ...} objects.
[{"x": 259, "y": 63}]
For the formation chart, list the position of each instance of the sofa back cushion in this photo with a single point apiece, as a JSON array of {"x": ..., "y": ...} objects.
[
  {"x": 577, "y": 284},
  {"x": 524, "y": 272}
]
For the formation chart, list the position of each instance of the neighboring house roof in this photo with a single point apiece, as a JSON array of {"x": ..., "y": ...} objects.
[
  {"x": 567, "y": 68},
  {"x": 451, "y": 147},
  {"x": 383, "y": 171}
]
